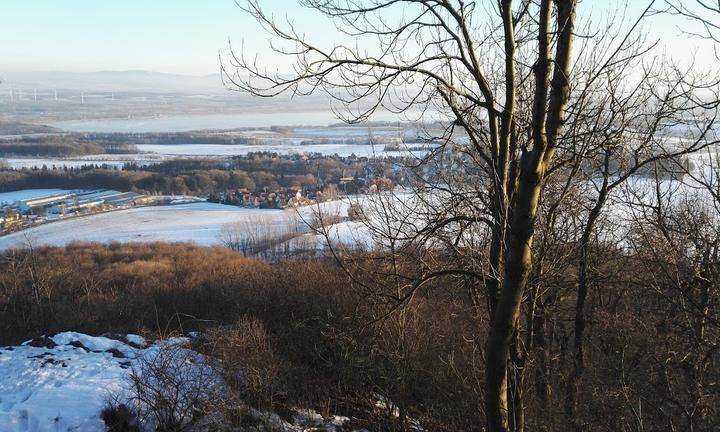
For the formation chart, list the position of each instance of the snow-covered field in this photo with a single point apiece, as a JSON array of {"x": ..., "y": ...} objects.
[
  {"x": 199, "y": 223},
  {"x": 156, "y": 153},
  {"x": 205, "y": 223},
  {"x": 49, "y": 163},
  {"x": 241, "y": 149},
  {"x": 221, "y": 121},
  {"x": 115, "y": 161},
  {"x": 340, "y": 140}
]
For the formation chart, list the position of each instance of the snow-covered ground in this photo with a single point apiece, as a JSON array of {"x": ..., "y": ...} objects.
[
  {"x": 156, "y": 153},
  {"x": 341, "y": 140},
  {"x": 115, "y": 161},
  {"x": 62, "y": 383},
  {"x": 55, "y": 386},
  {"x": 242, "y": 149},
  {"x": 204, "y": 223},
  {"x": 223, "y": 121},
  {"x": 199, "y": 223},
  {"x": 59, "y": 163}
]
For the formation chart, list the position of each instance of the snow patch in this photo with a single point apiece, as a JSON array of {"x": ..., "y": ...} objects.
[
  {"x": 63, "y": 382},
  {"x": 62, "y": 387}
]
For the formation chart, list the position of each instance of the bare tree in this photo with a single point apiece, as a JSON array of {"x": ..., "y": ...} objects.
[
  {"x": 520, "y": 106},
  {"x": 704, "y": 13},
  {"x": 675, "y": 234}
]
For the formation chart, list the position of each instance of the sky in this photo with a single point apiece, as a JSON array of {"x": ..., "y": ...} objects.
[{"x": 173, "y": 36}]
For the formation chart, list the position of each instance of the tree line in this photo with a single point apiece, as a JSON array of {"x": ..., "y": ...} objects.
[
  {"x": 60, "y": 146},
  {"x": 257, "y": 173}
]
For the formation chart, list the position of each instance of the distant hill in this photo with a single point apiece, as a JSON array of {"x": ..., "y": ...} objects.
[
  {"x": 17, "y": 128},
  {"x": 118, "y": 81}
]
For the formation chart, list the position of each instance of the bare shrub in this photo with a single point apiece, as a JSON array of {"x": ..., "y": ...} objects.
[
  {"x": 322, "y": 219},
  {"x": 249, "y": 363},
  {"x": 172, "y": 389},
  {"x": 356, "y": 212},
  {"x": 119, "y": 418}
]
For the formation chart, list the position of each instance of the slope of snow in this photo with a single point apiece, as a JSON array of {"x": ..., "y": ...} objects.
[
  {"x": 63, "y": 387},
  {"x": 202, "y": 224},
  {"x": 62, "y": 383},
  {"x": 342, "y": 236},
  {"x": 199, "y": 223}
]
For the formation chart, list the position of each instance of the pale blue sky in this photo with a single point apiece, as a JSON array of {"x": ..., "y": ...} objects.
[
  {"x": 181, "y": 36},
  {"x": 177, "y": 36}
]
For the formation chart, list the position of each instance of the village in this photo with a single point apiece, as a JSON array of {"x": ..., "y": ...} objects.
[
  {"x": 31, "y": 207},
  {"x": 297, "y": 195}
]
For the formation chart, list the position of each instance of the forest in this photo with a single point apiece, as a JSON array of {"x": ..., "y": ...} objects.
[
  {"x": 60, "y": 146},
  {"x": 256, "y": 172}
]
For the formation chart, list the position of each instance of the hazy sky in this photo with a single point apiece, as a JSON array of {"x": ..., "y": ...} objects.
[
  {"x": 181, "y": 36},
  {"x": 177, "y": 36}
]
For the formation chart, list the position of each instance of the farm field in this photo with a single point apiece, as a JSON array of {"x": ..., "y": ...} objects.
[
  {"x": 241, "y": 149},
  {"x": 199, "y": 223}
]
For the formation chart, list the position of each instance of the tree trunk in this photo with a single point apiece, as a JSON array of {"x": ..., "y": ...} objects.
[
  {"x": 516, "y": 395},
  {"x": 542, "y": 372},
  {"x": 582, "y": 293},
  {"x": 548, "y": 117},
  {"x": 496, "y": 253},
  {"x": 518, "y": 262}
]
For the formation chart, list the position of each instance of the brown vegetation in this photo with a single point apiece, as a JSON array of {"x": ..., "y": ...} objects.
[{"x": 304, "y": 334}]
